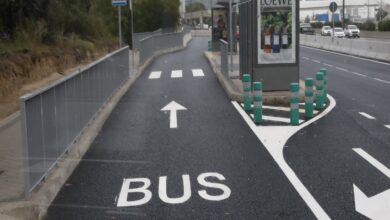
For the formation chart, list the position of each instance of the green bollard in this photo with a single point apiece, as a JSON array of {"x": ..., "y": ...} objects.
[
  {"x": 320, "y": 91},
  {"x": 209, "y": 45},
  {"x": 309, "y": 98},
  {"x": 294, "y": 104},
  {"x": 246, "y": 82},
  {"x": 258, "y": 102},
  {"x": 325, "y": 72}
]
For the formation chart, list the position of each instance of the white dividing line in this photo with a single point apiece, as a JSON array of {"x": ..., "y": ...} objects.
[
  {"x": 284, "y": 109},
  {"x": 306, "y": 58},
  {"x": 346, "y": 55},
  {"x": 367, "y": 115},
  {"x": 373, "y": 161},
  {"x": 342, "y": 69},
  {"x": 359, "y": 74},
  {"x": 276, "y": 119},
  {"x": 197, "y": 73},
  {"x": 387, "y": 126},
  {"x": 177, "y": 74},
  {"x": 381, "y": 80},
  {"x": 328, "y": 65},
  {"x": 155, "y": 75},
  {"x": 316, "y": 61}
]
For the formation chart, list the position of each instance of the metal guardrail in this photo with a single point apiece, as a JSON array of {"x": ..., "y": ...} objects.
[
  {"x": 224, "y": 47},
  {"x": 54, "y": 117},
  {"x": 151, "y": 45}
]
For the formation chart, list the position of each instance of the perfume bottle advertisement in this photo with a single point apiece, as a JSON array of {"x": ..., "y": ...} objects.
[{"x": 276, "y": 31}]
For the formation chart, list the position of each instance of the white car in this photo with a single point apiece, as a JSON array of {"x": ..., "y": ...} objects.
[
  {"x": 326, "y": 31},
  {"x": 352, "y": 31},
  {"x": 338, "y": 32}
]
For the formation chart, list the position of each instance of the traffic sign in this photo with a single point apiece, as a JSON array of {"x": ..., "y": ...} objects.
[
  {"x": 119, "y": 2},
  {"x": 333, "y": 6}
]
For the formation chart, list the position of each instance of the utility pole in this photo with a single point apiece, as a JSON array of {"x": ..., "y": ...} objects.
[
  {"x": 342, "y": 22},
  {"x": 368, "y": 10}
]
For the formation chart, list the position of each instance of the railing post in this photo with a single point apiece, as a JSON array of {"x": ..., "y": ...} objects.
[
  {"x": 320, "y": 91},
  {"x": 294, "y": 104},
  {"x": 246, "y": 79},
  {"x": 258, "y": 102},
  {"x": 309, "y": 97}
]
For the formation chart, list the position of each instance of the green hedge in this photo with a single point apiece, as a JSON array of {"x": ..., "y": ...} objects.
[
  {"x": 384, "y": 25},
  {"x": 366, "y": 26}
]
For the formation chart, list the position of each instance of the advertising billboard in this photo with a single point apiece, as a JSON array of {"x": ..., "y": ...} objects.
[{"x": 276, "y": 28}]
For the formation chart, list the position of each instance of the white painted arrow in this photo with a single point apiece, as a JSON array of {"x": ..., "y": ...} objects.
[
  {"x": 376, "y": 207},
  {"x": 173, "y": 107},
  {"x": 274, "y": 138}
]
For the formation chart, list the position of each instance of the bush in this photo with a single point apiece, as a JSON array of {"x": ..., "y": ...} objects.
[
  {"x": 384, "y": 25},
  {"x": 366, "y": 26}
]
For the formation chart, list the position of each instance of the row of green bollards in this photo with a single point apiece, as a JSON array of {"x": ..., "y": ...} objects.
[{"x": 321, "y": 84}]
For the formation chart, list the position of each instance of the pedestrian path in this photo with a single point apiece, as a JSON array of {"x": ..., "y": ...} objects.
[{"x": 175, "y": 74}]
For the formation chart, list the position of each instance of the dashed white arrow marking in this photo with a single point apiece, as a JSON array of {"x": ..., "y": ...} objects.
[
  {"x": 173, "y": 107},
  {"x": 376, "y": 207}
]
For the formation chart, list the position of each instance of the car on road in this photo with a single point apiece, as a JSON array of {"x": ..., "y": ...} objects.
[
  {"x": 352, "y": 31},
  {"x": 306, "y": 28},
  {"x": 326, "y": 31},
  {"x": 338, "y": 32}
]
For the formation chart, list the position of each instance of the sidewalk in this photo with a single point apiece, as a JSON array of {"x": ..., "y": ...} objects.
[{"x": 11, "y": 163}]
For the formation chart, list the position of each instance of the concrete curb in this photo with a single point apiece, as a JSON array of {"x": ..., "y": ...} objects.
[
  {"x": 10, "y": 120},
  {"x": 36, "y": 206},
  {"x": 279, "y": 98}
]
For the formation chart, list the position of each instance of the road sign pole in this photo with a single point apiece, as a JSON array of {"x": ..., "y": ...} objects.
[
  {"x": 120, "y": 25},
  {"x": 231, "y": 34},
  {"x": 132, "y": 35}
]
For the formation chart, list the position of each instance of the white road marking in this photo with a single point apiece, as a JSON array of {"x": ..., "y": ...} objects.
[
  {"x": 155, "y": 75},
  {"x": 173, "y": 107},
  {"x": 177, "y": 74},
  {"x": 367, "y": 115},
  {"x": 286, "y": 109},
  {"x": 306, "y": 58},
  {"x": 359, "y": 74},
  {"x": 197, "y": 73},
  {"x": 316, "y": 61},
  {"x": 274, "y": 139},
  {"x": 346, "y": 55},
  {"x": 381, "y": 80},
  {"x": 387, "y": 126},
  {"x": 342, "y": 69},
  {"x": 373, "y": 161},
  {"x": 328, "y": 65},
  {"x": 375, "y": 207}
]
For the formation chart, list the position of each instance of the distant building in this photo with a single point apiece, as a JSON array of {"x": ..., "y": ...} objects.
[{"x": 355, "y": 10}]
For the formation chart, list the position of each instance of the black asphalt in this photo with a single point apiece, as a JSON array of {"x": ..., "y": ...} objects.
[
  {"x": 322, "y": 154},
  {"x": 136, "y": 142}
]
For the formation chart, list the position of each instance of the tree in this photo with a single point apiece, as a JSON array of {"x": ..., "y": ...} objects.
[
  {"x": 196, "y": 6},
  {"x": 381, "y": 14},
  {"x": 307, "y": 19}
]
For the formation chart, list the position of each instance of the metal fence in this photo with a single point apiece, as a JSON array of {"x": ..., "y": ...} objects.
[
  {"x": 224, "y": 46},
  {"x": 151, "y": 45},
  {"x": 54, "y": 117}
]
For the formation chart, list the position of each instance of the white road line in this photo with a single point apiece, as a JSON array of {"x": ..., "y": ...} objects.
[
  {"x": 328, "y": 65},
  {"x": 359, "y": 74},
  {"x": 342, "y": 69},
  {"x": 177, "y": 74},
  {"x": 286, "y": 109},
  {"x": 155, "y": 75},
  {"x": 316, "y": 61},
  {"x": 306, "y": 58},
  {"x": 197, "y": 73},
  {"x": 381, "y": 80},
  {"x": 367, "y": 115},
  {"x": 346, "y": 55},
  {"x": 387, "y": 126},
  {"x": 276, "y": 119},
  {"x": 373, "y": 161}
]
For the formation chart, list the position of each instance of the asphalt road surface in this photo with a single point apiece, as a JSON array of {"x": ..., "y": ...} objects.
[{"x": 214, "y": 166}]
